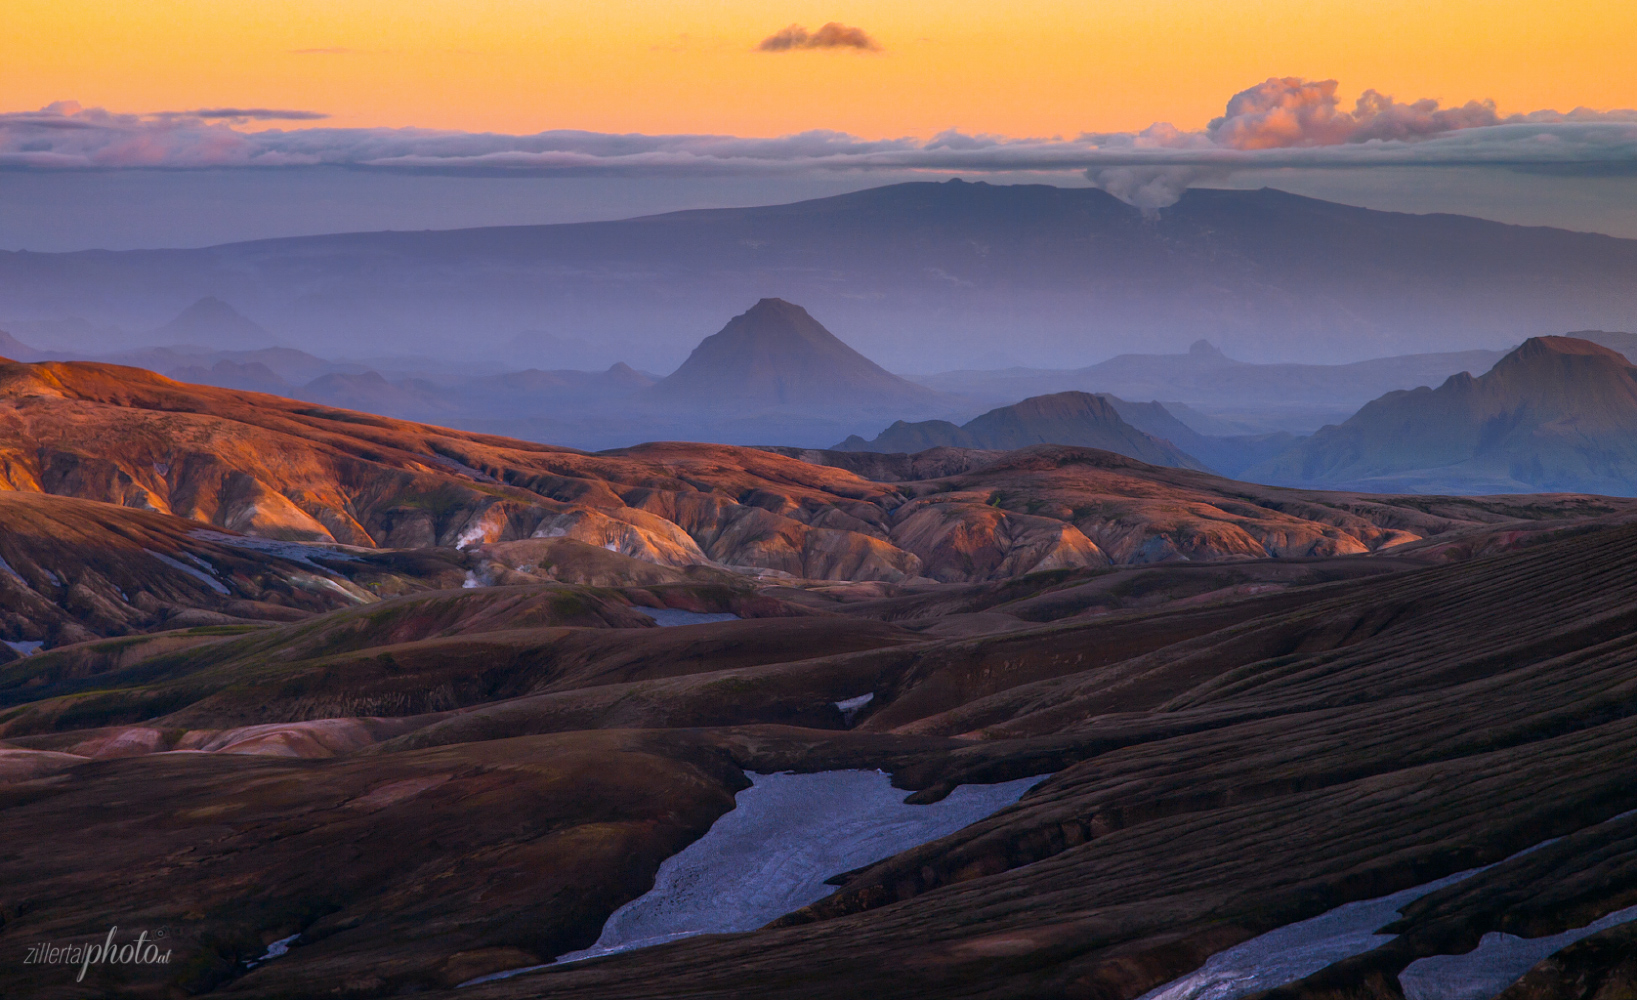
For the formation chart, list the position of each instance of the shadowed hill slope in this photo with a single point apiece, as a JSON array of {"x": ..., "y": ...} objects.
[
  {"x": 1219, "y": 770},
  {"x": 1072, "y": 418}
]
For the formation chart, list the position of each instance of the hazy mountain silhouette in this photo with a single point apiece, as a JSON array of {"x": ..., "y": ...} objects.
[
  {"x": 252, "y": 375},
  {"x": 407, "y": 399},
  {"x": 776, "y": 357},
  {"x": 1206, "y": 376},
  {"x": 210, "y": 322},
  {"x": 930, "y": 276},
  {"x": 1229, "y": 454},
  {"x": 1066, "y": 418},
  {"x": 1557, "y": 414},
  {"x": 16, "y": 350}
]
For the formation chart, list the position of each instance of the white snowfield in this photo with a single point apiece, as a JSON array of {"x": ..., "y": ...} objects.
[
  {"x": 772, "y": 853},
  {"x": 1283, "y": 956},
  {"x": 1499, "y": 961},
  {"x": 676, "y": 616}
]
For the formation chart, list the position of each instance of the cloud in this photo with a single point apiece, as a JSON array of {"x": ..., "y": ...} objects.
[
  {"x": 1289, "y": 111},
  {"x": 1277, "y": 124},
  {"x": 320, "y": 52},
  {"x": 833, "y": 35},
  {"x": 248, "y": 114}
]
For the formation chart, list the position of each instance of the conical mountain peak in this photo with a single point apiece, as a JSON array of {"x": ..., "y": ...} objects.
[
  {"x": 210, "y": 322},
  {"x": 774, "y": 356}
]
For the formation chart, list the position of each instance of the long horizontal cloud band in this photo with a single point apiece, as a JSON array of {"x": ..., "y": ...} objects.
[{"x": 1282, "y": 123}]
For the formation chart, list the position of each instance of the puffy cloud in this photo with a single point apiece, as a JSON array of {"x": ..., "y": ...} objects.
[
  {"x": 1283, "y": 112},
  {"x": 1280, "y": 123},
  {"x": 1292, "y": 122},
  {"x": 832, "y": 36}
]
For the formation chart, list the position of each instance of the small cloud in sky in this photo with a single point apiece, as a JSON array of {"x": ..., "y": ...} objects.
[
  {"x": 252, "y": 114},
  {"x": 834, "y": 35},
  {"x": 335, "y": 51}
]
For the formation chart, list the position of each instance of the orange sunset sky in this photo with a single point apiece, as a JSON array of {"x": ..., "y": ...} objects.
[{"x": 1037, "y": 68}]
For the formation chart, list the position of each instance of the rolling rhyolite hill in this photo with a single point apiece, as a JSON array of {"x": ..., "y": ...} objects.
[
  {"x": 419, "y": 791},
  {"x": 1557, "y": 414},
  {"x": 283, "y": 469},
  {"x": 1070, "y": 418}
]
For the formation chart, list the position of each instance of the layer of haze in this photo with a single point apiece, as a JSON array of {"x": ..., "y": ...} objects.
[{"x": 1032, "y": 68}]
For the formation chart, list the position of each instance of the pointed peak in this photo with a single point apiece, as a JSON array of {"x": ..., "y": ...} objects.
[
  {"x": 1204, "y": 348},
  {"x": 1537, "y": 347},
  {"x": 210, "y": 305},
  {"x": 775, "y": 306}
]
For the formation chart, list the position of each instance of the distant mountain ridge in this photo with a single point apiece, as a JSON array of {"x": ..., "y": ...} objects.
[
  {"x": 1558, "y": 414},
  {"x": 1077, "y": 419},
  {"x": 1042, "y": 272},
  {"x": 1205, "y": 376}
]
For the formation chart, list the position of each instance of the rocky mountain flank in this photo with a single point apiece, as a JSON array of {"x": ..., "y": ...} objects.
[{"x": 1556, "y": 414}]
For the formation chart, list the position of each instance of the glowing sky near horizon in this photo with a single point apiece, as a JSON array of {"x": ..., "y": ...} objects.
[{"x": 1035, "y": 68}]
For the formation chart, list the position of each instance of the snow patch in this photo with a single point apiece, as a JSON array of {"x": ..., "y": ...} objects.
[
  {"x": 450, "y": 465},
  {"x": 771, "y": 854},
  {"x": 197, "y": 574},
  {"x": 301, "y": 552},
  {"x": 1499, "y": 961},
  {"x": 6, "y": 567},
  {"x": 1292, "y": 952},
  {"x": 1285, "y": 955},
  {"x": 849, "y": 707},
  {"x": 27, "y": 647},
  {"x": 274, "y": 950},
  {"x": 666, "y": 617},
  {"x": 201, "y": 563},
  {"x": 347, "y": 590}
]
